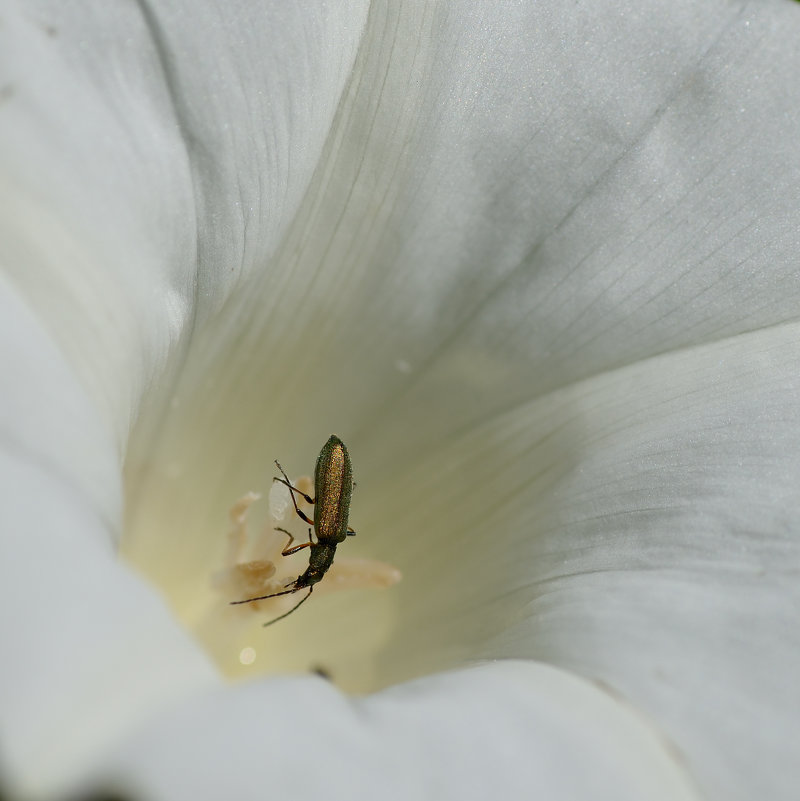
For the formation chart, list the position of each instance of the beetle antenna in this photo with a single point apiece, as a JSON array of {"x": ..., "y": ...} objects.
[
  {"x": 296, "y": 606},
  {"x": 262, "y": 597}
]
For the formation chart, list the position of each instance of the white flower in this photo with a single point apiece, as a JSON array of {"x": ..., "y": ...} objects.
[{"x": 535, "y": 263}]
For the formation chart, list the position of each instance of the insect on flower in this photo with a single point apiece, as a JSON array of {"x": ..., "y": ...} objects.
[{"x": 333, "y": 487}]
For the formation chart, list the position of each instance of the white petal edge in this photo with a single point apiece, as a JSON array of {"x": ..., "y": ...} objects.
[
  {"x": 88, "y": 647},
  {"x": 506, "y": 729}
]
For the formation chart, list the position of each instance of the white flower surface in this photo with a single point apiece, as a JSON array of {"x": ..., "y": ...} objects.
[{"x": 536, "y": 264}]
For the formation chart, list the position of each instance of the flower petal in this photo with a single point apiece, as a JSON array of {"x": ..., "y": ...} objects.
[
  {"x": 80, "y": 632},
  {"x": 599, "y": 221},
  {"x": 638, "y": 528},
  {"x": 529, "y": 226},
  {"x": 493, "y": 731},
  {"x": 151, "y": 158},
  {"x": 634, "y": 192}
]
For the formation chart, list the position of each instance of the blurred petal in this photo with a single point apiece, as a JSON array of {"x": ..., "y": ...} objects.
[
  {"x": 80, "y": 633},
  {"x": 508, "y": 729}
]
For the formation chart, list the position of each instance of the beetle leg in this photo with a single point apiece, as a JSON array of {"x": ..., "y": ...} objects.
[
  {"x": 303, "y": 516},
  {"x": 285, "y": 480},
  {"x": 290, "y": 551},
  {"x": 294, "y": 489},
  {"x": 350, "y": 532},
  {"x": 287, "y": 551}
]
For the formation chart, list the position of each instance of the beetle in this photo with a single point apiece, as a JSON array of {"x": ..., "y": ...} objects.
[{"x": 333, "y": 488}]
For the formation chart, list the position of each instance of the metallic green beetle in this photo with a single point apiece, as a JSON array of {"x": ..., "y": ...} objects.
[{"x": 333, "y": 488}]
